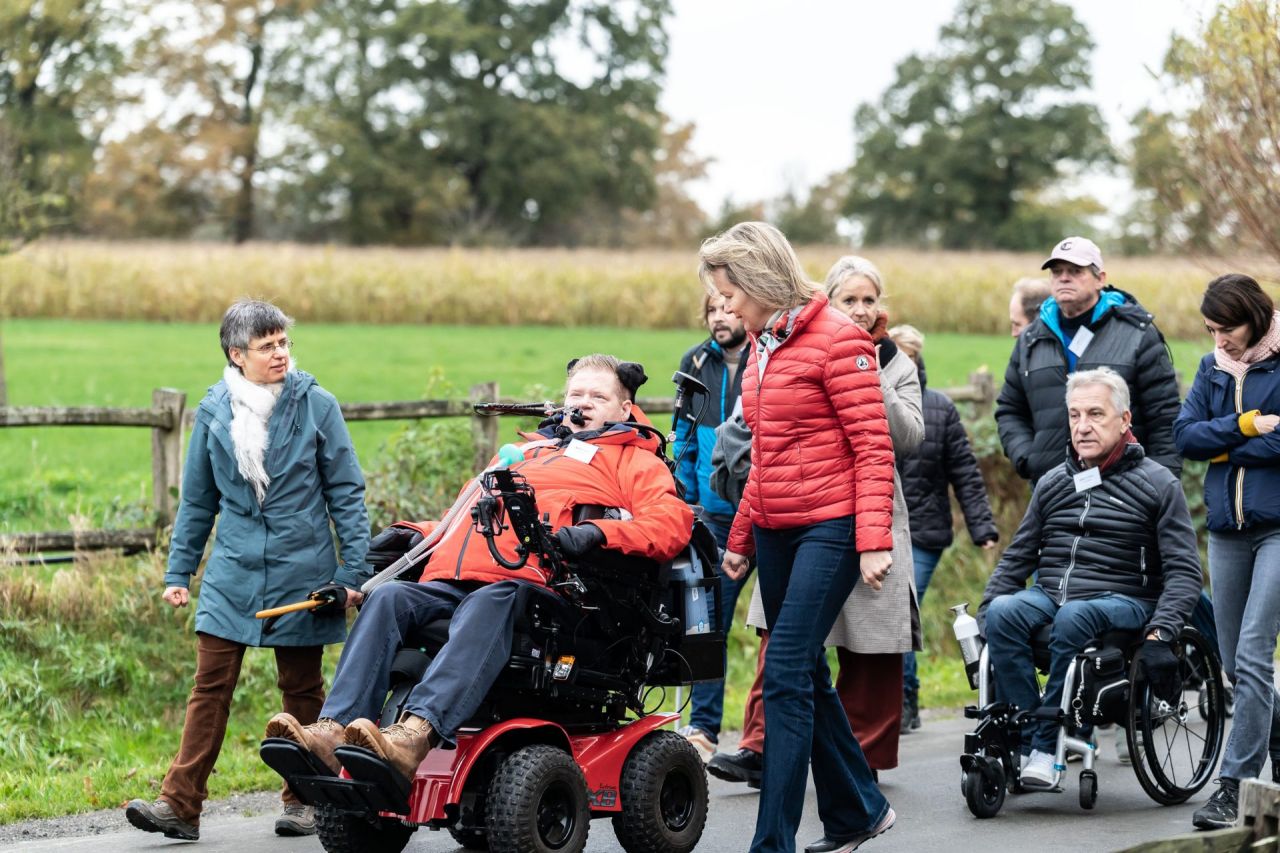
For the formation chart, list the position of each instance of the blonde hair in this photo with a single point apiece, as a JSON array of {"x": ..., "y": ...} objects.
[
  {"x": 850, "y": 266},
  {"x": 597, "y": 361},
  {"x": 1031, "y": 292},
  {"x": 757, "y": 257},
  {"x": 908, "y": 338}
]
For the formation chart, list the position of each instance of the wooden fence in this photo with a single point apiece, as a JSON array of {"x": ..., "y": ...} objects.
[{"x": 168, "y": 419}]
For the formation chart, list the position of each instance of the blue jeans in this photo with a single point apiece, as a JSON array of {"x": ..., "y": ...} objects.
[
  {"x": 805, "y": 575},
  {"x": 707, "y": 697},
  {"x": 1245, "y": 569},
  {"x": 460, "y": 674},
  {"x": 1012, "y": 620},
  {"x": 925, "y": 560}
]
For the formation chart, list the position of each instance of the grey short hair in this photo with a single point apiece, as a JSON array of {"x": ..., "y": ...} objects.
[
  {"x": 908, "y": 338},
  {"x": 1106, "y": 377},
  {"x": 1031, "y": 292},
  {"x": 247, "y": 319},
  {"x": 849, "y": 266}
]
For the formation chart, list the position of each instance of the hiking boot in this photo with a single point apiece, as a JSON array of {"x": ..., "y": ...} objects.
[
  {"x": 296, "y": 819},
  {"x": 400, "y": 745},
  {"x": 830, "y": 845},
  {"x": 745, "y": 765},
  {"x": 910, "y": 715},
  {"x": 319, "y": 738},
  {"x": 701, "y": 741},
  {"x": 1221, "y": 810},
  {"x": 159, "y": 817}
]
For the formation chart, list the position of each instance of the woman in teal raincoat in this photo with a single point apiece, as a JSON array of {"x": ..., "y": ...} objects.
[{"x": 271, "y": 459}]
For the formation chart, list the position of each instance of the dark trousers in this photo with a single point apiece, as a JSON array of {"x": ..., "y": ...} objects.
[
  {"x": 806, "y": 573},
  {"x": 707, "y": 697},
  {"x": 218, "y": 663},
  {"x": 460, "y": 674}
]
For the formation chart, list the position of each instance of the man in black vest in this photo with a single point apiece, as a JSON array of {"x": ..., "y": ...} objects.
[{"x": 1109, "y": 539}]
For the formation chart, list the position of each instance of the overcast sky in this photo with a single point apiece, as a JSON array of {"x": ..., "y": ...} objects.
[{"x": 772, "y": 84}]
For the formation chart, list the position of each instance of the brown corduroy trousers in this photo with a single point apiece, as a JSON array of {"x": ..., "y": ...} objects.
[{"x": 218, "y": 662}]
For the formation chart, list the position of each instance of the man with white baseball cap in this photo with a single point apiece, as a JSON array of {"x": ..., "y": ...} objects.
[{"x": 1085, "y": 323}]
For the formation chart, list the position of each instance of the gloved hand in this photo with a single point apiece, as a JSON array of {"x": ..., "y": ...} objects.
[
  {"x": 390, "y": 545},
  {"x": 332, "y": 594},
  {"x": 886, "y": 349},
  {"x": 1158, "y": 666},
  {"x": 578, "y": 539}
]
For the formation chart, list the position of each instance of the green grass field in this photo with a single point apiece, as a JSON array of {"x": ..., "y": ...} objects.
[{"x": 57, "y": 478}]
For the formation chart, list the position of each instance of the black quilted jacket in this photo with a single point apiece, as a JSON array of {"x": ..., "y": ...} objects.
[
  {"x": 1132, "y": 535},
  {"x": 943, "y": 459}
]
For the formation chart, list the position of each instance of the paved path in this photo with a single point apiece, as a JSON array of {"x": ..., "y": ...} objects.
[{"x": 925, "y": 792}]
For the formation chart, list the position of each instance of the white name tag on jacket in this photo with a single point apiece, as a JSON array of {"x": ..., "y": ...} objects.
[
  {"x": 1080, "y": 341},
  {"x": 580, "y": 451},
  {"x": 1088, "y": 478}
]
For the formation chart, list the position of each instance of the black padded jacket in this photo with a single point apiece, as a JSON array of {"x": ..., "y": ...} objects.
[
  {"x": 1131, "y": 534},
  {"x": 1031, "y": 410},
  {"x": 945, "y": 458}
]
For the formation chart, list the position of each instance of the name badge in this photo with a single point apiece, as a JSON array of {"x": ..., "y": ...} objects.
[
  {"x": 1088, "y": 478},
  {"x": 581, "y": 451},
  {"x": 1080, "y": 341}
]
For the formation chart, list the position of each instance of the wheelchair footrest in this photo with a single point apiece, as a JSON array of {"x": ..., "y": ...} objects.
[
  {"x": 294, "y": 764},
  {"x": 381, "y": 785}
]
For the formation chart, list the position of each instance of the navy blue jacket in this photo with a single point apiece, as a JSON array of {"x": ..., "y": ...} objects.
[
  {"x": 695, "y": 423},
  {"x": 1242, "y": 491}
]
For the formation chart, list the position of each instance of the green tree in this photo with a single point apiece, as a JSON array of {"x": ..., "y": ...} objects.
[
  {"x": 964, "y": 141},
  {"x": 1232, "y": 73},
  {"x": 431, "y": 120},
  {"x": 813, "y": 218},
  {"x": 56, "y": 65}
]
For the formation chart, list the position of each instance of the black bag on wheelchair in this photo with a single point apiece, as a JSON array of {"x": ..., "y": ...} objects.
[{"x": 1102, "y": 688}]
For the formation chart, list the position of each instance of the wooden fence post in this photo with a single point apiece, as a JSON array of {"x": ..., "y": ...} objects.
[
  {"x": 985, "y": 384},
  {"x": 166, "y": 454},
  {"x": 484, "y": 429}
]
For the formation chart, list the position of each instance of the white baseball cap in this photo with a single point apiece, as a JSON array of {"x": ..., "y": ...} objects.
[{"x": 1080, "y": 251}]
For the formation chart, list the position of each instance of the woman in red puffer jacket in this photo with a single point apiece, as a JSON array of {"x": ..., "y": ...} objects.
[{"x": 816, "y": 512}]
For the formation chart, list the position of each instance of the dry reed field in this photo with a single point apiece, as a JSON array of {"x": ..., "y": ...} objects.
[{"x": 938, "y": 291}]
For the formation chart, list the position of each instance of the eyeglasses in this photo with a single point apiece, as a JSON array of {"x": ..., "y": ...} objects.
[{"x": 267, "y": 349}]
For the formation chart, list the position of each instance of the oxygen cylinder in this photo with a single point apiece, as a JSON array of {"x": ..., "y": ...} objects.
[{"x": 966, "y": 631}]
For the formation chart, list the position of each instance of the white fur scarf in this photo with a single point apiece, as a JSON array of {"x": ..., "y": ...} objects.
[{"x": 251, "y": 407}]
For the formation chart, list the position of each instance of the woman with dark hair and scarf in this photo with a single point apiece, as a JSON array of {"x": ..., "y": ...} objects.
[{"x": 1229, "y": 418}]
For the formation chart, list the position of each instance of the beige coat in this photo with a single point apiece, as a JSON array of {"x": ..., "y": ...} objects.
[{"x": 887, "y": 621}]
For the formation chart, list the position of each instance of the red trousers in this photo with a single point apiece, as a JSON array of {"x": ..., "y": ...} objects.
[{"x": 870, "y": 689}]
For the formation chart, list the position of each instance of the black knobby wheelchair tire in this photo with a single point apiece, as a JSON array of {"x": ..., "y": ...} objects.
[
  {"x": 344, "y": 832},
  {"x": 1151, "y": 746},
  {"x": 664, "y": 795},
  {"x": 538, "y": 803}
]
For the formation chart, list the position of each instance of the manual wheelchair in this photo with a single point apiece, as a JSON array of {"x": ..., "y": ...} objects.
[
  {"x": 565, "y": 734},
  {"x": 1174, "y": 747}
]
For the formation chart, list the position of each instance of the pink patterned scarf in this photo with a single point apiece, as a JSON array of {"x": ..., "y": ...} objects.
[{"x": 1267, "y": 346}]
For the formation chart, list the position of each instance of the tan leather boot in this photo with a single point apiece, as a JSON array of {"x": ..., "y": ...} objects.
[
  {"x": 402, "y": 745},
  {"x": 319, "y": 738}
]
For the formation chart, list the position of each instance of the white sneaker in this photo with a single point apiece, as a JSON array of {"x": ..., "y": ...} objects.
[
  {"x": 1038, "y": 771},
  {"x": 701, "y": 741}
]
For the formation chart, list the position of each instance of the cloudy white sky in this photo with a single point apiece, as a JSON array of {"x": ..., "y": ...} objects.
[{"x": 772, "y": 84}]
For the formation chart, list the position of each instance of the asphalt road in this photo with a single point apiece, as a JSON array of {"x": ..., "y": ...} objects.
[{"x": 924, "y": 791}]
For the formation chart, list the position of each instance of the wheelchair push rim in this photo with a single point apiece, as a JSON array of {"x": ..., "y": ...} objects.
[{"x": 1176, "y": 746}]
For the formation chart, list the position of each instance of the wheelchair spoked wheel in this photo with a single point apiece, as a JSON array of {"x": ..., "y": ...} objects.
[
  {"x": 538, "y": 803},
  {"x": 664, "y": 796},
  {"x": 1175, "y": 747}
]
